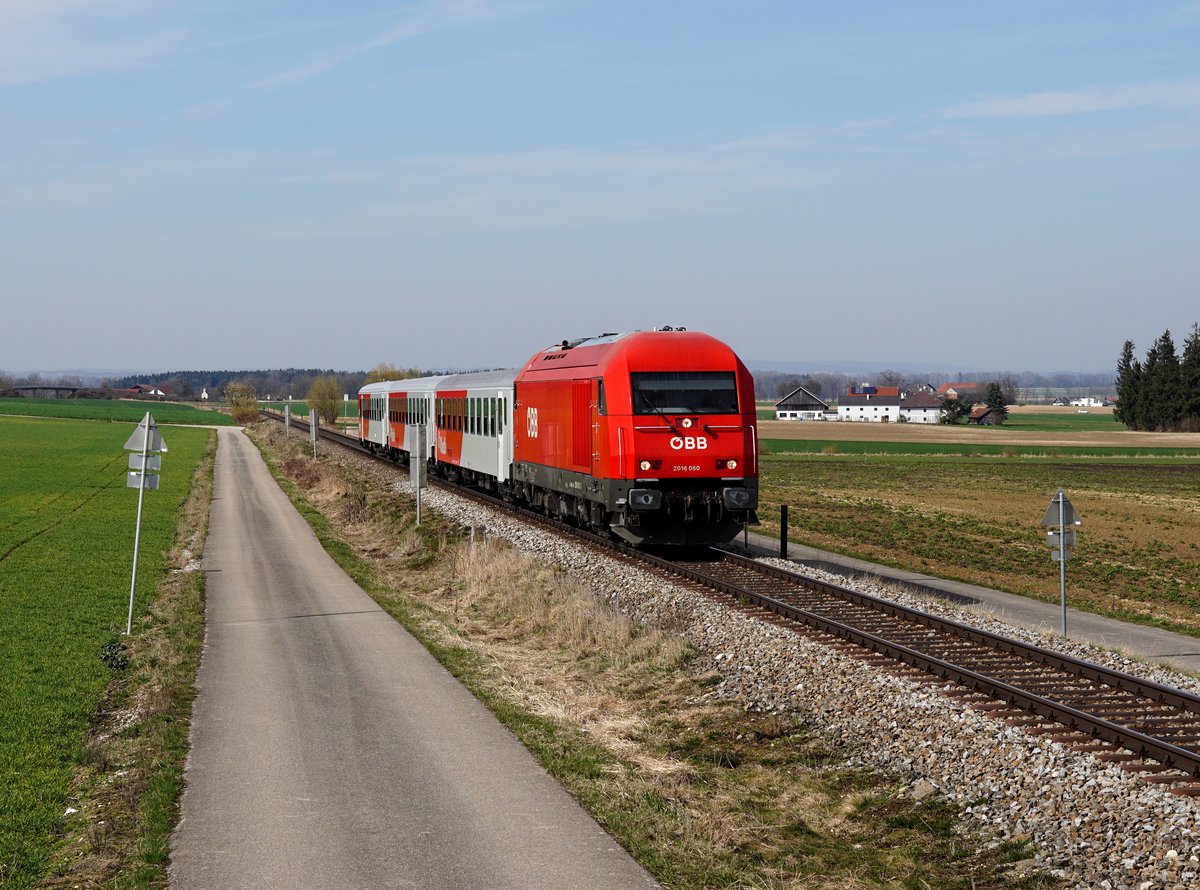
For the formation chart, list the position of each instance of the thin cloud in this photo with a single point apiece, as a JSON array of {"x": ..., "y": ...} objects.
[
  {"x": 47, "y": 39},
  {"x": 1062, "y": 103},
  {"x": 440, "y": 15}
]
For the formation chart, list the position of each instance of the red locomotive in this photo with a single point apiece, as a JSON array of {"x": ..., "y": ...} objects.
[{"x": 650, "y": 436}]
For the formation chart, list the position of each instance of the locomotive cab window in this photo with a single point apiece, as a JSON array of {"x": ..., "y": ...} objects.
[{"x": 684, "y": 392}]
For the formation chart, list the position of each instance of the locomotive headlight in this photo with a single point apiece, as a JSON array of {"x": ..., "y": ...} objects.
[
  {"x": 731, "y": 464},
  {"x": 644, "y": 465},
  {"x": 686, "y": 423}
]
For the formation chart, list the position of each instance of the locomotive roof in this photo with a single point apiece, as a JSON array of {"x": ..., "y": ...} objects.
[{"x": 638, "y": 350}]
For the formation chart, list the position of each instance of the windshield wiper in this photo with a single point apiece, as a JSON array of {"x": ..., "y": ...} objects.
[{"x": 661, "y": 413}]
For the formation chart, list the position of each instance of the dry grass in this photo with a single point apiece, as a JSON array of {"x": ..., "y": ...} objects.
[{"x": 701, "y": 792}]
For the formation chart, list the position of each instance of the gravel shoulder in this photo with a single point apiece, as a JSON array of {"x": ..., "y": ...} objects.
[{"x": 1092, "y": 822}]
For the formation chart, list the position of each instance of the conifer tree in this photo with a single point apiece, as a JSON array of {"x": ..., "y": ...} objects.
[
  {"x": 1189, "y": 382},
  {"x": 1129, "y": 382},
  {"x": 994, "y": 399},
  {"x": 1162, "y": 389}
]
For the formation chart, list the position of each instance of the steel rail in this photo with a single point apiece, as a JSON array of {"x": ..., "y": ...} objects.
[
  {"x": 1073, "y": 718},
  {"x": 1080, "y": 721},
  {"x": 1147, "y": 689}
]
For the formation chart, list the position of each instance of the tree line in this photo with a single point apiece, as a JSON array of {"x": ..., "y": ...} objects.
[{"x": 1163, "y": 393}]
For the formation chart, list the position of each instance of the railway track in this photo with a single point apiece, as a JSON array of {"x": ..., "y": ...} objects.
[{"x": 1148, "y": 727}]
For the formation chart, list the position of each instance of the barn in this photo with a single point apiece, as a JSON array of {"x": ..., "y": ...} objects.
[{"x": 800, "y": 404}]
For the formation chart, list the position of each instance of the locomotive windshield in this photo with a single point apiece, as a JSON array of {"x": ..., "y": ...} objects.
[{"x": 684, "y": 392}]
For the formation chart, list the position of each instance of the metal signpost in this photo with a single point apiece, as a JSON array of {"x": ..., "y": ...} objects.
[
  {"x": 287, "y": 419},
  {"x": 144, "y": 464},
  {"x": 416, "y": 469},
  {"x": 1061, "y": 518},
  {"x": 313, "y": 423}
]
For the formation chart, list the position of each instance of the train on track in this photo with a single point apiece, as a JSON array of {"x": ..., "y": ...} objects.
[{"x": 650, "y": 436}]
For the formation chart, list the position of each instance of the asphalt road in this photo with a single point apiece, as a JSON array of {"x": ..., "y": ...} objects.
[{"x": 330, "y": 750}]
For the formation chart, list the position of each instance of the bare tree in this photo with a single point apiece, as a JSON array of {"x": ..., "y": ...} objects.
[
  {"x": 324, "y": 397},
  {"x": 243, "y": 402}
]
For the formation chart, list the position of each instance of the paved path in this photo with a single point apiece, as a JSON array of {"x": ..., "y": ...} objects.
[
  {"x": 1177, "y": 650},
  {"x": 330, "y": 750}
]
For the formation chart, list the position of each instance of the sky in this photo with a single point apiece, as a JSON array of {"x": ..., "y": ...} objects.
[{"x": 459, "y": 183}]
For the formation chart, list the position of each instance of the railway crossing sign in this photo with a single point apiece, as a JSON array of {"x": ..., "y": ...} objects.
[
  {"x": 1060, "y": 518},
  {"x": 146, "y": 446}
]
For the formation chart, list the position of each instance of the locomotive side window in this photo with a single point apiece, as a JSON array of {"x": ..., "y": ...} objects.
[
  {"x": 684, "y": 392},
  {"x": 601, "y": 404}
]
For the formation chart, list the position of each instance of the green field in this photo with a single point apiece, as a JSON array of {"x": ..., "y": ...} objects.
[
  {"x": 66, "y": 544},
  {"x": 120, "y": 410},
  {"x": 300, "y": 408},
  {"x": 1066, "y": 421},
  {"x": 976, "y": 519},
  {"x": 968, "y": 449}
]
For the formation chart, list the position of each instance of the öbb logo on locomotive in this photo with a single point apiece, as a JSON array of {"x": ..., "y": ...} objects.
[
  {"x": 649, "y": 436},
  {"x": 689, "y": 443}
]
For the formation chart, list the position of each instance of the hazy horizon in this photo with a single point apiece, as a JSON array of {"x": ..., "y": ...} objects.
[{"x": 462, "y": 182}]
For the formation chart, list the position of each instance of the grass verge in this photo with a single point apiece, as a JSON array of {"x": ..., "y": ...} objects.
[
  {"x": 699, "y": 791},
  {"x": 125, "y": 793}
]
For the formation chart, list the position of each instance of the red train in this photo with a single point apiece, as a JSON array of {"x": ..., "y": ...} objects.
[{"x": 651, "y": 436}]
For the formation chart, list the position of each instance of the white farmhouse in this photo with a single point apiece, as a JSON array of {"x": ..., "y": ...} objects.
[
  {"x": 920, "y": 407},
  {"x": 886, "y": 404},
  {"x": 870, "y": 404}
]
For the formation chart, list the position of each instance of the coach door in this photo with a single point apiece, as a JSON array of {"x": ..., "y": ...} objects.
[{"x": 499, "y": 421}]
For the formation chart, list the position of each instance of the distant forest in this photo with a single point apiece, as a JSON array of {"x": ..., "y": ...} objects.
[{"x": 277, "y": 383}]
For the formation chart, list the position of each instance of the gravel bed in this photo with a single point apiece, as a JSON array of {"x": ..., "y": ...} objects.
[{"x": 1090, "y": 822}]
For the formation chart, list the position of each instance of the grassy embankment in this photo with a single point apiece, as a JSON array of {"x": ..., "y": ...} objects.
[
  {"x": 119, "y": 410},
  {"x": 970, "y": 510},
  {"x": 94, "y": 725},
  {"x": 702, "y": 793}
]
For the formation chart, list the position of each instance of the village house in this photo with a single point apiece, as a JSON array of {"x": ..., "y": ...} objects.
[
  {"x": 870, "y": 404},
  {"x": 920, "y": 407},
  {"x": 886, "y": 404},
  {"x": 964, "y": 391}
]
